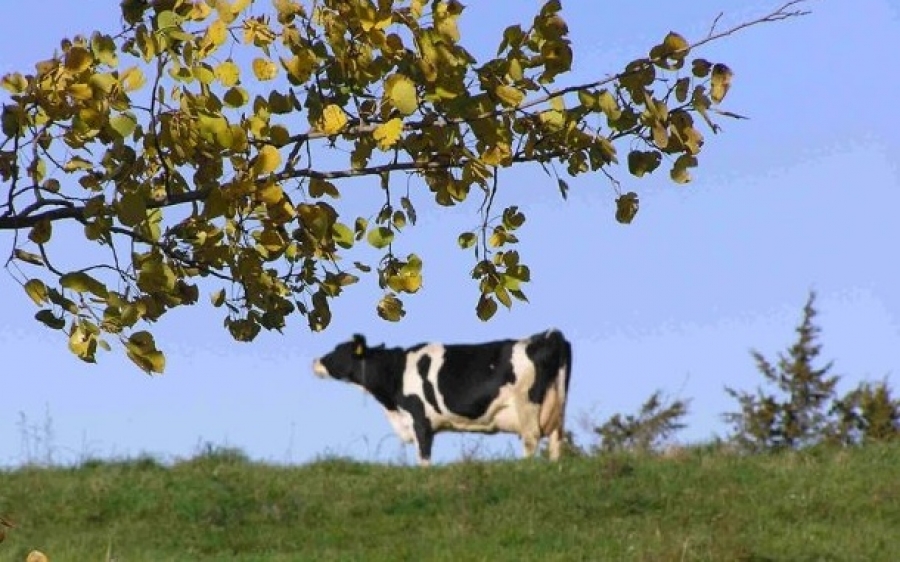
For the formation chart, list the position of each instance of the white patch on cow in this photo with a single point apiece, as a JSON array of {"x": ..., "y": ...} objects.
[{"x": 402, "y": 422}]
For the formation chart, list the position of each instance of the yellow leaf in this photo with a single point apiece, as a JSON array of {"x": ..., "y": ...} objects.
[
  {"x": 199, "y": 11},
  {"x": 37, "y": 291},
  {"x": 267, "y": 161},
  {"x": 228, "y": 73},
  {"x": 401, "y": 93},
  {"x": 510, "y": 96},
  {"x": 132, "y": 79},
  {"x": 387, "y": 134},
  {"x": 271, "y": 193},
  {"x": 215, "y": 35},
  {"x": 445, "y": 15},
  {"x": 676, "y": 45},
  {"x": 496, "y": 155},
  {"x": 333, "y": 120},
  {"x": 299, "y": 67},
  {"x": 83, "y": 343},
  {"x": 240, "y": 6},
  {"x": 15, "y": 83},
  {"x": 81, "y": 91},
  {"x": 264, "y": 69},
  {"x": 416, "y": 8}
]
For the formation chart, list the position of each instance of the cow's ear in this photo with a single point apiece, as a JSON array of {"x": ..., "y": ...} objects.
[{"x": 359, "y": 345}]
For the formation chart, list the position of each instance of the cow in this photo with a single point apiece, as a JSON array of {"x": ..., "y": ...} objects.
[{"x": 511, "y": 386}]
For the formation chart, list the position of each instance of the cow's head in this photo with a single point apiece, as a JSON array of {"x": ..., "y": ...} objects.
[{"x": 343, "y": 361}]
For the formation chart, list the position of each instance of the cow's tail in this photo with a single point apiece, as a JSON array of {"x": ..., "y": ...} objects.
[
  {"x": 554, "y": 414},
  {"x": 563, "y": 376}
]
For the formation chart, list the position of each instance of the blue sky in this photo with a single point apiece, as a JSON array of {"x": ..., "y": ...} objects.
[{"x": 802, "y": 196}]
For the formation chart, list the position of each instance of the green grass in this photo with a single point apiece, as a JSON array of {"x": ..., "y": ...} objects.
[{"x": 699, "y": 505}]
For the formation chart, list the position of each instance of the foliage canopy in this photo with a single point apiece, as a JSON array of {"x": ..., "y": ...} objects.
[{"x": 208, "y": 138}]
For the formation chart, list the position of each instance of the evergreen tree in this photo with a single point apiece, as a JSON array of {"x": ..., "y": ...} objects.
[{"x": 796, "y": 413}]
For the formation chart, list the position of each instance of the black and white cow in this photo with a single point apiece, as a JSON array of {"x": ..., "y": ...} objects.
[{"x": 511, "y": 386}]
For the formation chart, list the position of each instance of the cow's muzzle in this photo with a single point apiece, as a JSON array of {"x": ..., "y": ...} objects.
[{"x": 319, "y": 369}]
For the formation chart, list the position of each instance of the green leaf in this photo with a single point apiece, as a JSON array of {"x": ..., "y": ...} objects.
[
  {"x": 608, "y": 105},
  {"x": 679, "y": 172},
  {"x": 319, "y": 188},
  {"x": 342, "y": 235},
  {"x": 380, "y": 237},
  {"x": 398, "y": 219},
  {"x": 132, "y": 209},
  {"x": 503, "y": 296},
  {"x": 467, "y": 240},
  {"x": 720, "y": 82},
  {"x": 81, "y": 282},
  {"x": 641, "y": 162},
  {"x": 104, "y": 49},
  {"x": 28, "y": 257},
  {"x": 390, "y": 308},
  {"x": 700, "y": 68},
  {"x": 236, "y": 97},
  {"x": 11, "y": 120},
  {"x": 141, "y": 349},
  {"x": 408, "y": 207},
  {"x": 486, "y": 308},
  {"x": 124, "y": 124},
  {"x": 512, "y": 218},
  {"x": 41, "y": 232},
  {"x": 627, "y": 207},
  {"x": 50, "y": 320}
]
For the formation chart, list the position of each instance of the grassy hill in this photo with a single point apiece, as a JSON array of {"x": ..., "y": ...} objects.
[{"x": 700, "y": 504}]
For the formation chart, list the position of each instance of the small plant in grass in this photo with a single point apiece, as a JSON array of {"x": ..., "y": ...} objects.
[
  {"x": 869, "y": 413},
  {"x": 654, "y": 425}
]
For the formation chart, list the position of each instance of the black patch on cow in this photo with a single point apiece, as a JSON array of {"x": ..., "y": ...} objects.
[
  {"x": 471, "y": 376},
  {"x": 548, "y": 352},
  {"x": 421, "y": 425},
  {"x": 423, "y": 365}
]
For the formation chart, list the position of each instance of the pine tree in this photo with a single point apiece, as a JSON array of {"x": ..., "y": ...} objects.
[{"x": 797, "y": 412}]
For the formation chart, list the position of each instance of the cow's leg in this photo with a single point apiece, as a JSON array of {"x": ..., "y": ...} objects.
[
  {"x": 556, "y": 440},
  {"x": 421, "y": 427},
  {"x": 529, "y": 426},
  {"x": 424, "y": 439}
]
